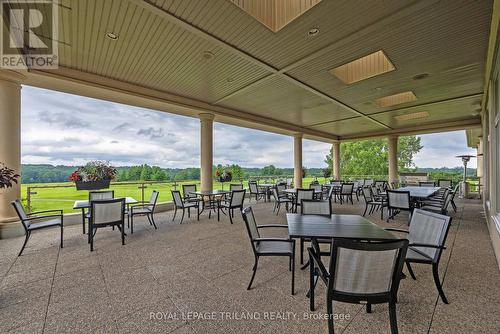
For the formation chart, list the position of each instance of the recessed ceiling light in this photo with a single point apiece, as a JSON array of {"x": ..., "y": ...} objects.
[
  {"x": 313, "y": 32},
  {"x": 420, "y": 76},
  {"x": 415, "y": 115},
  {"x": 112, "y": 36},
  {"x": 207, "y": 55},
  {"x": 394, "y": 99},
  {"x": 363, "y": 68},
  {"x": 229, "y": 79},
  {"x": 475, "y": 113}
]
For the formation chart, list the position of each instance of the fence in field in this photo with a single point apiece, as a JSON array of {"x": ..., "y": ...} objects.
[{"x": 32, "y": 190}]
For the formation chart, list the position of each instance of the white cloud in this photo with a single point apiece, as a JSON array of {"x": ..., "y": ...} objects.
[{"x": 441, "y": 149}]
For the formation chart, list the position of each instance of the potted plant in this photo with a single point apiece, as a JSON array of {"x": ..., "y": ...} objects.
[
  {"x": 7, "y": 176},
  {"x": 94, "y": 175}
]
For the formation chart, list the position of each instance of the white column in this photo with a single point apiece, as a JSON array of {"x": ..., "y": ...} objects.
[
  {"x": 336, "y": 160},
  {"x": 297, "y": 160},
  {"x": 206, "y": 150},
  {"x": 392, "y": 145},
  {"x": 10, "y": 138}
]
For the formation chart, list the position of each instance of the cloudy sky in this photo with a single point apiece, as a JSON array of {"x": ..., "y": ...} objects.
[{"x": 59, "y": 128}]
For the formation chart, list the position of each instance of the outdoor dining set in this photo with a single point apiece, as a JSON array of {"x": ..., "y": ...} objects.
[{"x": 367, "y": 259}]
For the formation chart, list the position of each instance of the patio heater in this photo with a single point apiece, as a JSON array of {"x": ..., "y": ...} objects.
[{"x": 464, "y": 186}]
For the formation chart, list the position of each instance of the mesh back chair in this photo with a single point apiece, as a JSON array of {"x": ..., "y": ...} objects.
[
  {"x": 438, "y": 205},
  {"x": 398, "y": 201},
  {"x": 372, "y": 202},
  {"x": 368, "y": 182},
  {"x": 280, "y": 199},
  {"x": 37, "y": 221},
  {"x": 312, "y": 207},
  {"x": 93, "y": 196},
  {"x": 235, "y": 201},
  {"x": 346, "y": 191},
  {"x": 268, "y": 246},
  {"x": 360, "y": 272},
  {"x": 318, "y": 189},
  {"x": 98, "y": 195},
  {"x": 255, "y": 190},
  {"x": 301, "y": 194},
  {"x": 443, "y": 183},
  {"x": 180, "y": 204},
  {"x": 426, "y": 184},
  {"x": 188, "y": 192},
  {"x": 280, "y": 187},
  {"x": 104, "y": 213},
  {"x": 427, "y": 236},
  {"x": 235, "y": 186},
  {"x": 452, "y": 199},
  {"x": 144, "y": 209}
]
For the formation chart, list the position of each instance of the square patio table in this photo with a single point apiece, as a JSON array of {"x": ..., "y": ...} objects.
[
  {"x": 419, "y": 192},
  {"x": 335, "y": 226}
]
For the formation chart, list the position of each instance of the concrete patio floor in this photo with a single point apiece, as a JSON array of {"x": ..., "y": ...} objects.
[{"x": 155, "y": 282}]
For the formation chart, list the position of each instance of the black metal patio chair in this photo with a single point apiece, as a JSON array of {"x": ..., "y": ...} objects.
[
  {"x": 256, "y": 191},
  {"x": 313, "y": 207},
  {"x": 188, "y": 193},
  {"x": 280, "y": 199},
  {"x": 373, "y": 203},
  {"x": 180, "y": 204},
  {"x": 445, "y": 183},
  {"x": 234, "y": 201},
  {"x": 93, "y": 196},
  {"x": 398, "y": 201},
  {"x": 104, "y": 213},
  {"x": 144, "y": 209},
  {"x": 426, "y": 184},
  {"x": 359, "y": 272},
  {"x": 268, "y": 246},
  {"x": 37, "y": 221},
  {"x": 346, "y": 191},
  {"x": 301, "y": 194},
  {"x": 427, "y": 235}
]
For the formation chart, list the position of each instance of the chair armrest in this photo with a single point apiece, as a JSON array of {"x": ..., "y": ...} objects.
[
  {"x": 272, "y": 225},
  {"x": 318, "y": 263},
  {"x": 274, "y": 239},
  {"x": 45, "y": 211},
  {"x": 426, "y": 245},
  {"x": 396, "y": 230},
  {"x": 42, "y": 217},
  {"x": 142, "y": 204}
]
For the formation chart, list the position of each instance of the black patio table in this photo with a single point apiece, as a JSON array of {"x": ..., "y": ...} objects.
[
  {"x": 419, "y": 192},
  {"x": 212, "y": 202},
  {"x": 336, "y": 227}
]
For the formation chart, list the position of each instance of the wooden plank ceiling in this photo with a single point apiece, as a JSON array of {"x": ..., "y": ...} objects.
[{"x": 214, "y": 52}]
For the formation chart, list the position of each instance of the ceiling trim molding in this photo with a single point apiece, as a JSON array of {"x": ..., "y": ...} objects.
[
  {"x": 85, "y": 84},
  {"x": 419, "y": 130}
]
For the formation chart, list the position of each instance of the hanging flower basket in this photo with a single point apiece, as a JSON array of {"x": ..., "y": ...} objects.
[
  {"x": 225, "y": 177},
  {"x": 93, "y": 176}
]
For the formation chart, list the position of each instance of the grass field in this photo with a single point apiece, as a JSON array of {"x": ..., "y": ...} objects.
[{"x": 63, "y": 198}]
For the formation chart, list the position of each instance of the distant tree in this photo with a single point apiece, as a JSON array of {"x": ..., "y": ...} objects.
[
  {"x": 146, "y": 172},
  {"x": 370, "y": 157},
  {"x": 268, "y": 170}
]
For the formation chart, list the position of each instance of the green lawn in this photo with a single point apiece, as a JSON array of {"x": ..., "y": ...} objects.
[{"x": 63, "y": 198}]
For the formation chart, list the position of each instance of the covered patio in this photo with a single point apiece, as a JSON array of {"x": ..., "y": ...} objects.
[
  {"x": 170, "y": 280},
  {"x": 321, "y": 70}
]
